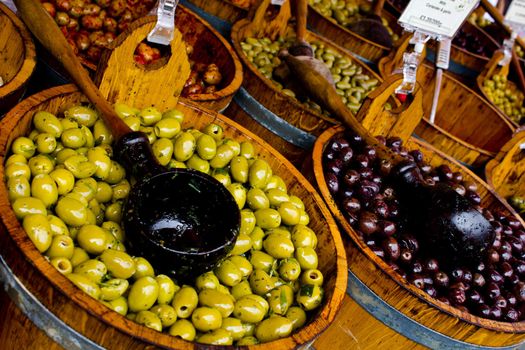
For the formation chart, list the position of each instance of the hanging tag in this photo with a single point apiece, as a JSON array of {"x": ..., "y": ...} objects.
[
  {"x": 443, "y": 56},
  {"x": 515, "y": 15},
  {"x": 437, "y": 17},
  {"x": 277, "y": 2},
  {"x": 165, "y": 26}
]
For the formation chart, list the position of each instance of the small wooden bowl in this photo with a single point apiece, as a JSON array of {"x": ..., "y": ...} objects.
[
  {"x": 18, "y": 58},
  {"x": 362, "y": 47},
  {"x": 227, "y": 10},
  {"x": 415, "y": 305},
  {"x": 90, "y": 318},
  {"x": 466, "y": 128},
  {"x": 309, "y": 121}
]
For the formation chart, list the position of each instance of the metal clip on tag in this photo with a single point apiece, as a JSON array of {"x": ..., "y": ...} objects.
[
  {"x": 163, "y": 32},
  {"x": 411, "y": 63},
  {"x": 508, "y": 44}
]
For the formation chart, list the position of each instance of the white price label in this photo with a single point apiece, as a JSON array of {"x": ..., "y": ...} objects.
[
  {"x": 516, "y": 13},
  {"x": 277, "y": 2},
  {"x": 441, "y": 17}
]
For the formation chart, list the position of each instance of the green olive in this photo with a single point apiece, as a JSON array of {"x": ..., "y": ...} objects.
[
  {"x": 149, "y": 319},
  {"x": 73, "y": 138},
  {"x": 102, "y": 134},
  {"x": 262, "y": 261},
  {"x": 23, "y": 146},
  {"x": 18, "y": 187},
  {"x": 276, "y": 182},
  {"x": 163, "y": 150},
  {"x": 41, "y": 164},
  {"x": 267, "y": 218},
  {"x": 238, "y": 192},
  {"x": 101, "y": 160},
  {"x": 247, "y": 222},
  {"x": 133, "y": 122},
  {"x": 82, "y": 115},
  {"x": 207, "y": 281},
  {"x": 234, "y": 326},
  {"x": 257, "y": 236},
  {"x": 241, "y": 289},
  {"x": 256, "y": 199},
  {"x": 249, "y": 328},
  {"x": 104, "y": 192},
  {"x": 119, "y": 305},
  {"x": 28, "y": 206},
  {"x": 86, "y": 187},
  {"x": 123, "y": 110},
  {"x": 143, "y": 294},
  {"x": 15, "y": 158},
  {"x": 92, "y": 239},
  {"x": 44, "y": 188},
  {"x": 247, "y": 150},
  {"x": 58, "y": 227},
  {"x": 88, "y": 135},
  {"x": 63, "y": 265},
  {"x": 239, "y": 169},
  {"x": 206, "y": 147},
  {"x": 216, "y": 300},
  {"x": 85, "y": 284},
  {"x": 304, "y": 219},
  {"x": 79, "y": 256},
  {"x": 280, "y": 299},
  {"x": 167, "y": 289},
  {"x": 149, "y": 116},
  {"x": 249, "y": 340},
  {"x": 116, "y": 173},
  {"x": 214, "y": 130},
  {"x": 303, "y": 236},
  {"x": 297, "y": 316},
  {"x": 121, "y": 190},
  {"x": 46, "y": 122},
  {"x": 165, "y": 313},
  {"x": 228, "y": 273},
  {"x": 167, "y": 128},
  {"x": 260, "y": 282},
  {"x": 64, "y": 179},
  {"x": 312, "y": 276},
  {"x": 217, "y": 337},
  {"x": 119, "y": 264},
  {"x": 173, "y": 114},
  {"x": 18, "y": 170},
  {"x": 93, "y": 269},
  {"x": 224, "y": 155},
  {"x": 37, "y": 228},
  {"x": 68, "y": 123},
  {"x": 114, "y": 212},
  {"x": 197, "y": 163},
  {"x": 290, "y": 214},
  {"x": 259, "y": 174},
  {"x": 183, "y": 329},
  {"x": 243, "y": 264},
  {"x": 45, "y": 143},
  {"x": 62, "y": 246},
  {"x": 250, "y": 309},
  {"x": 185, "y": 301},
  {"x": 273, "y": 328},
  {"x": 309, "y": 296},
  {"x": 80, "y": 166},
  {"x": 64, "y": 154},
  {"x": 222, "y": 176},
  {"x": 289, "y": 269},
  {"x": 276, "y": 197},
  {"x": 242, "y": 244},
  {"x": 184, "y": 146},
  {"x": 143, "y": 268},
  {"x": 278, "y": 246},
  {"x": 307, "y": 258},
  {"x": 113, "y": 289}
]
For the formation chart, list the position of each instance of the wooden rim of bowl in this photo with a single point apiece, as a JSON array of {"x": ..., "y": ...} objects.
[
  {"x": 29, "y": 63},
  {"x": 324, "y": 316},
  {"x": 236, "y": 40},
  {"x": 320, "y": 144}
]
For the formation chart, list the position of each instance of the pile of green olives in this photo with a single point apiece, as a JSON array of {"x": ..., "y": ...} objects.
[
  {"x": 68, "y": 193},
  {"x": 509, "y": 101},
  {"x": 351, "y": 83},
  {"x": 347, "y": 12}
]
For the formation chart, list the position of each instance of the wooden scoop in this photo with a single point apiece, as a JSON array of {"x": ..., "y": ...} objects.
[
  {"x": 156, "y": 217},
  {"x": 372, "y": 27},
  {"x": 445, "y": 220}
]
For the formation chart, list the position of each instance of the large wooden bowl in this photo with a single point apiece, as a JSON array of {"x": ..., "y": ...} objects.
[
  {"x": 460, "y": 327},
  {"x": 364, "y": 48},
  {"x": 17, "y": 58},
  {"x": 285, "y": 109},
  {"x": 90, "y": 318},
  {"x": 227, "y": 10},
  {"x": 466, "y": 127}
]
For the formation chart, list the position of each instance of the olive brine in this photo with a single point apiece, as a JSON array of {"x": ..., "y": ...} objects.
[
  {"x": 359, "y": 181},
  {"x": 68, "y": 193}
]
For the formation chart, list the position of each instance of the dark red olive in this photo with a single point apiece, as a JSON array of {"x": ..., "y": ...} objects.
[
  {"x": 339, "y": 143},
  {"x": 480, "y": 267},
  {"x": 376, "y": 179},
  {"x": 334, "y": 166},
  {"x": 346, "y": 155},
  {"x": 394, "y": 211},
  {"x": 457, "y": 274},
  {"x": 431, "y": 265},
  {"x": 470, "y": 186},
  {"x": 367, "y": 173},
  {"x": 388, "y": 192},
  {"x": 494, "y": 276},
  {"x": 483, "y": 310},
  {"x": 520, "y": 234},
  {"x": 511, "y": 299},
  {"x": 429, "y": 180},
  {"x": 519, "y": 291},
  {"x": 409, "y": 242},
  {"x": 506, "y": 270},
  {"x": 478, "y": 280},
  {"x": 394, "y": 141},
  {"x": 332, "y": 182},
  {"x": 444, "y": 172},
  {"x": 497, "y": 227},
  {"x": 514, "y": 223},
  {"x": 493, "y": 291},
  {"x": 459, "y": 189},
  {"x": 417, "y": 280},
  {"x": 430, "y": 290},
  {"x": 385, "y": 167},
  {"x": 351, "y": 218},
  {"x": 361, "y": 161},
  {"x": 457, "y": 296},
  {"x": 380, "y": 208},
  {"x": 367, "y": 189},
  {"x": 416, "y": 267},
  {"x": 351, "y": 177},
  {"x": 505, "y": 247},
  {"x": 519, "y": 266},
  {"x": 441, "y": 279},
  {"x": 370, "y": 152},
  {"x": 492, "y": 256},
  {"x": 495, "y": 313},
  {"x": 425, "y": 168},
  {"x": 387, "y": 228},
  {"x": 345, "y": 193},
  {"x": 417, "y": 155},
  {"x": 473, "y": 197},
  {"x": 391, "y": 248},
  {"x": 515, "y": 243},
  {"x": 378, "y": 251},
  {"x": 488, "y": 215},
  {"x": 405, "y": 256},
  {"x": 368, "y": 223},
  {"x": 507, "y": 230},
  {"x": 457, "y": 177},
  {"x": 511, "y": 315},
  {"x": 474, "y": 297},
  {"x": 500, "y": 302},
  {"x": 351, "y": 205},
  {"x": 496, "y": 244},
  {"x": 403, "y": 152}
]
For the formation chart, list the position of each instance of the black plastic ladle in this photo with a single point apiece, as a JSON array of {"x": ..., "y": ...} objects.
[
  {"x": 453, "y": 229},
  {"x": 184, "y": 222}
]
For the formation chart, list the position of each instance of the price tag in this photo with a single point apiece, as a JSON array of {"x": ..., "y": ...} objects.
[
  {"x": 277, "y": 2},
  {"x": 516, "y": 13},
  {"x": 439, "y": 17}
]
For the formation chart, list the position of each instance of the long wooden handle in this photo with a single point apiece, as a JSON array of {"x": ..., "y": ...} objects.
[
  {"x": 302, "y": 11},
  {"x": 378, "y": 7},
  {"x": 498, "y": 17},
  {"x": 47, "y": 32}
]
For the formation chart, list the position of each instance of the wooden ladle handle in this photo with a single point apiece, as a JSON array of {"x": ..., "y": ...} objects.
[
  {"x": 47, "y": 32},
  {"x": 378, "y": 7},
  {"x": 302, "y": 11}
]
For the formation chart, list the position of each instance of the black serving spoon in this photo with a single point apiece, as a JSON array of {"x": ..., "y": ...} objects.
[
  {"x": 184, "y": 222},
  {"x": 455, "y": 230},
  {"x": 372, "y": 27}
]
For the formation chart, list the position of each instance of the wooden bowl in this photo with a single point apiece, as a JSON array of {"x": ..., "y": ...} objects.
[
  {"x": 363, "y": 48},
  {"x": 230, "y": 11},
  {"x": 415, "y": 305},
  {"x": 18, "y": 57},
  {"x": 466, "y": 128},
  {"x": 304, "y": 123},
  {"x": 78, "y": 312}
]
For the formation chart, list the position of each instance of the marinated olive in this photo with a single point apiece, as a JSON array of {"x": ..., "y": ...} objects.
[
  {"x": 165, "y": 313},
  {"x": 93, "y": 269},
  {"x": 248, "y": 309},
  {"x": 206, "y": 318},
  {"x": 62, "y": 246},
  {"x": 93, "y": 239},
  {"x": 143, "y": 294},
  {"x": 46, "y": 122},
  {"x": 185, "y": 301},
  {"x": 119, "y": 264},
  {"x": 28, "y": 205},
  {"x": 273, "y": 328},
  {"x": 183, "y": 329},
  {"x": 38, "y": 230},
  {"x": 149, "y": 319},
  {"x": 113, "y": 289},
  {"x": 85, "y": 284},
  {"x": 217, "y": 300}
]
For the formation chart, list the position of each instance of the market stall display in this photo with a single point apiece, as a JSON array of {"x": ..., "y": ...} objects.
[{"x": 230, "y": 11}]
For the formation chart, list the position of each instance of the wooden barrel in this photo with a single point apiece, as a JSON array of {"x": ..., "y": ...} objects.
[
  {"x": 223, "y": 9},
  {"x": 363, "y": 48},
  {"x": 281, "y": 116},
  {"x": 391, "y": 298},
  {"x": 466, "y": 127},
  {"x": 73, "y": 315},
  {"x": 17, "y": 57}
]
